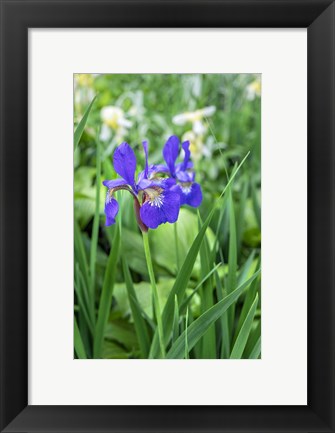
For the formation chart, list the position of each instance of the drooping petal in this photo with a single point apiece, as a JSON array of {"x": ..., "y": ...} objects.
[
  {"x": 145, "y": 148},
  {"x": 191, "y": 194},
  {"x": 111, "y": 209},
  {"x": 186, "y": 148},
  {"x": 170, "y": 153},
  {"x": 125, "y": 163},
  {"x": 161, "y": 208},
  {"x": 114, "y": 183}
]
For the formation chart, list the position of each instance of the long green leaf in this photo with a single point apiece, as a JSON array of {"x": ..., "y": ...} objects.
[
  {"x": 225, "y": 336},
  {"x": 232, "y": 260},
  {"x": 139, "y": 322},
  {"x": 95, "y": 229},
  {"x": 198, "y": 328},
  {"x": 78, "y": 342},
  {"x": 243, "y": 335},
  {"x": 249, "y": 298},
  {"x": 106, "y": 295},
  {"x": 256, "y": 351},
  {"x": 184, "y": 274},
  {"x": 175, "y": 331},
  {"x": 81, "y": 125}
]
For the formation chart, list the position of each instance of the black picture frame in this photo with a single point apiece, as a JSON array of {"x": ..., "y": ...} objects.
[{"x": 318, "y": 16}]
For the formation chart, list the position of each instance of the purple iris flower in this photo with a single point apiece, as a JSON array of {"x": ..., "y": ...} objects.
[
  {"x": 190, "y": 191},
  {"x": 155, "y": 200}
]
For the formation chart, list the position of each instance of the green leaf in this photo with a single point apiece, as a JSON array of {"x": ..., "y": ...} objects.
[
  {"x": 139, "y": 322},
  {"x": 198, "y": 328},
  {"x": 95, "y": 229},
  {"x": 106, "y": 295},
  {"x": 175, "y": 330},
  {"x": 81, "y": 125},
  {"x": 225, "y": 337},
  {"x": 249, "y": 298},
  {"x": 256, "y": 351},
  {"x": 78, "y": 342},
  {"x": 232, "y": 260},
  {"x": 243, "y": 335}
]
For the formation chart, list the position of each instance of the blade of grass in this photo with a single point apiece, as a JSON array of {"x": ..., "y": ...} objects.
[
  {"x": 245, "y": 269},
  {"x": 78, "y": 342},
  {"x": 249, "y": 298},
  {"x": 80, "y": 253},
  {"x": 184, "y": 274},
  {"x": 82, "y": 306},
  {"x": 81, "y": 125},
  {"x": 175, "y": 329},
  {"x": 139, "y": 323},
  {"x": 225, "y": 341},
  {"x": 255, "y": 334},
  {"x": 240, "y": 220},
  {"x": 208, "y": 346},
  {"x": 256, "y": 351},
  {"x": 243, "y": 335},
  {"x": 256, "y": 206},
  {"x": 195, "y": 290},
  {"x": 96, "y": 220},
  {"x": 106, "y": 295},
  {"x": 197, "y": 329},
  {"x": 186, "y": 340},
  {"x": 232, "y": 261}
]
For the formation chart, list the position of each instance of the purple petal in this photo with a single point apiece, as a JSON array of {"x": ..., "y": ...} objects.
[
  {"x": 185, "y": 176},
  {"x": 125, "y": 163},
  {"x": 145, "y": 148},
  {"x": 186, "y": 147},
  {"x": 114, "y": 183},
  {"x": 190, "y": 194},
  {"x": 111, "y": 209},
  {"x": 170, "y": 152},
  {"x": 165, "y": 208}
]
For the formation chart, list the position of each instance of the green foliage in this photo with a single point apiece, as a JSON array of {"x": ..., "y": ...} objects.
[{"x": 193, "y": 288}]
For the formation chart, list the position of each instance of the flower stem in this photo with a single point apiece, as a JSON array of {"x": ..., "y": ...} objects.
[{"x": 154, "y": 293}]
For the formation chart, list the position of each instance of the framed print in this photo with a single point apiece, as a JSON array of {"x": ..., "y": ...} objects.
[{"x": 145, "y": 148}]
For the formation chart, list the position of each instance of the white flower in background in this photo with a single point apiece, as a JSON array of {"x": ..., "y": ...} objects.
[
  {"x": 83, "y": 90},
  {"x": 195, "y": 117},
  {"x": 114, "y": 120},
  {"x": 199, "y": 128},
  {"x": 254, "y": 89}
]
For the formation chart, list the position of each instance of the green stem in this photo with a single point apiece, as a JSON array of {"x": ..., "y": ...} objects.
[
  {"x": 154, "y": 293},
  {"x": 176, "y": 244}
]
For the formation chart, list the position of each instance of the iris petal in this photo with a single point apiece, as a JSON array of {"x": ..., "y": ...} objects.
[
  {"x": 170, "y": 153},
  {"x": 164, "y": 210},
  {"x": 186, "y": 148},
  {"x": 190, "y": 194},
  {"x": 145, "y": 148},
  {"x": 125, "y": 163},
  {"x": 111, "y": 209},
  {"x": 114, "y": 183}
]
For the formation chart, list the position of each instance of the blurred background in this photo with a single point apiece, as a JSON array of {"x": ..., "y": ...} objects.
[{"x": 220, "y": 114}]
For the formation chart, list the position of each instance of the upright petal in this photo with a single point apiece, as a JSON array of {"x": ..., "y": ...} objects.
[
  {"x": 170, "y": 153},
  {"x": 125, "y": 163},
  {"x": 160, "y": 208},
  {"x": 145, "y": 148},
  {"x": 186, "y": 148},
  {"x": 111, "y": 208}
]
